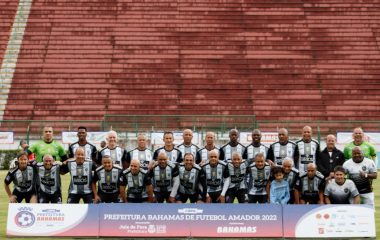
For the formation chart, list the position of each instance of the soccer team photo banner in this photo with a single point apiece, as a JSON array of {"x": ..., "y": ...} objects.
[{"x": 195, "y": 220}]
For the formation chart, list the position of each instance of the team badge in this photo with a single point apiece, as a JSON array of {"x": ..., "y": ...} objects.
[{"x": 24, "y": 218}]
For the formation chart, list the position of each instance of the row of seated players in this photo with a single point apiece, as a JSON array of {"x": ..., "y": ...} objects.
[{"x": 215, "y": 181}]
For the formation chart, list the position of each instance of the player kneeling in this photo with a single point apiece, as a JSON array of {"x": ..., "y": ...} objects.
[{"x": 108, "y": 178}]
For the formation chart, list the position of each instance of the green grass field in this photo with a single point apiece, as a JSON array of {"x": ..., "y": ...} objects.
[{"x": 65, "y": 183}]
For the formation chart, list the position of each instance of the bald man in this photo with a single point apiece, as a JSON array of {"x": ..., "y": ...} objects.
[
  {"x": 311, "y": 186},
  {"x": 142, "y": 153},
  {"x": 362, "y": 171},
  {"x": 358, "y": 137},
  {"x": 187, "y": 146},
  {"x": 80, "y": 171},
  {"x": 308, "y": 150},
  {"x": 232, "y": 146},
  {"x": 165, "y": 179},
  {"x": 329, "y": 158},
  {"x": 255, "y": 147},
  {"x": 202, "y": 154},
  {"x": 139, "y": 184},
  {"x": 283, "y": 148}
]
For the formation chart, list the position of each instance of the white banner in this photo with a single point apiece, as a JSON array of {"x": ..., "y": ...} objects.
[
  {"x": 346, "y": 137},
  {"x": 267, "y": 138},
  {"x": 92, "y": 137},
  {"x": 337, "y": 221},
  {"x": 6, "y": 137},
  {"x": 44, "y": 219}
]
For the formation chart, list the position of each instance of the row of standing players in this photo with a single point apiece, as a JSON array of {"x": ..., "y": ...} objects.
[{"x": 208, "y": 174}]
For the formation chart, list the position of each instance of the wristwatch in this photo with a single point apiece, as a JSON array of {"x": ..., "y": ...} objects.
[{"x": 366, "y": 175}]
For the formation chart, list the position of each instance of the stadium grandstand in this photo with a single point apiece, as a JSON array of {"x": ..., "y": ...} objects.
[{"x": 155, "y": 64}]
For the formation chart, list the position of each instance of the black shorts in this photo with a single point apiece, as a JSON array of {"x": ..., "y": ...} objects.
[
  {"x": 137, "y": 200},
  {"x": 49, "y": 198},
  {"x": 257, "y": 198},
  {"x": 109, "y": 198},
  {"x": 214, "y": 196},
  {"x": 162, "y": 196},
  {"x": 24, "y": 195},
  {"x": 184, "y": 197},
  {"x": 233, "y": 193},
  {"x": 75, "y": 198}
]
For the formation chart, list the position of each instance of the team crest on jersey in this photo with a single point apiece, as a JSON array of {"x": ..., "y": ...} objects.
[
  {"x": 364, "y": 168},
  {"x": 346, "y": 190}
]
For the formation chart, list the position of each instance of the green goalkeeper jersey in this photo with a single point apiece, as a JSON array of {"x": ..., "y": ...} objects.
[
  {"x": 368, "y": 149},
  {"x": 54, "y": 148}
]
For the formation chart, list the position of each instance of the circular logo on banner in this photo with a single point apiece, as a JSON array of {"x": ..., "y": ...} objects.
[{"x": 24, "y": 219}]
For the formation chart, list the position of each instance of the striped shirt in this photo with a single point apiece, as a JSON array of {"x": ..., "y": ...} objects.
[
  {"x": 80, "y": 176},
  {"x": 24, "y": 181},
  {"x": 238, "y": 175},
  {"x": 49, "y": 180},
  {"x": 144, "y": 156},
  {"x": 308, "y": 153},
  {"x": 136, "y": 183},
  {"x": 202, "y": 154},
  {"x": 162, "y": 178},
  {"x": 108, "y": 181},
  {"x": 251, "y": 152},
  {"x": 193, "y": 149},
  {"x": 277, "y": 152},
  {"x": 215, "y": 176},
  {"x": 258, "y": 179},
  {"x": 174, "y": 155},
  {"x": 90, "y": 150},
  {"x": 227, "y": 150}
]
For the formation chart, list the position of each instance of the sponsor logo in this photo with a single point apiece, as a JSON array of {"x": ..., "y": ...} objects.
[
  {"x": 50, "y": 215},
  {"x": 190, "y": 210},
  {"x": 242, "y": 229},
  {"x": 25, "y": 218}
]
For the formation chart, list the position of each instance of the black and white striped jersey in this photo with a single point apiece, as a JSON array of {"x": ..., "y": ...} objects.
[
  {"x": 117, "y": 154},
  {"x": 193, "y": 149},
  {"x": 136, "y": 183},
  {"x": 144, "y": 156},
  {"x": 277, "y": 152},
  {"x": 81, "y": 176},
  {"x": 108, "y": 181},
  {"x": 202, "y": 155},
  {"x": 251, "y": 151},
  {"x": 24, "y": 181},
  {"x": 227, "y": 150},
  {"x": 258, "y": 179},
  {"x": 310, "y": 187},
  {"x": 174, "y": 155},
  {"x": 307, "y": 153},
  {"x": 238, "y": 175},
  {"x": 162, "y": 178},
  {"x": 215, "y": 176},
  {"x": 90, "y": 150},
  {"x": 293, "y": 178},
  {"x": 48, "y": 180},
  {"x": 191, "y": 180}
]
